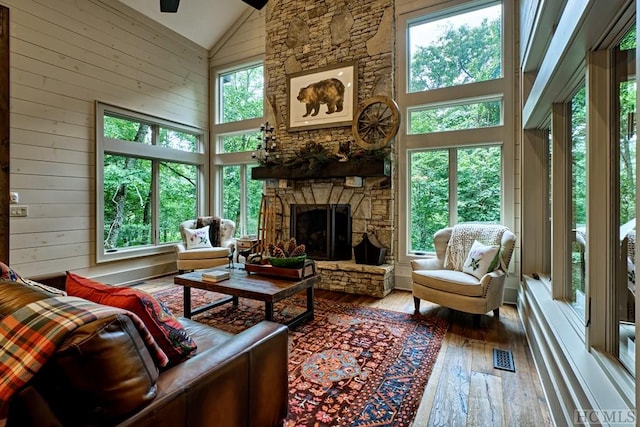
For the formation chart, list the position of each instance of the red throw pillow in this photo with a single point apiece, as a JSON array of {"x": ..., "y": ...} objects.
[{"x": 163, "y": 325}]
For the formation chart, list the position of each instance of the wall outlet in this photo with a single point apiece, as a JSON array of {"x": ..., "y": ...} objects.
[{"x": 18, "y": 211}]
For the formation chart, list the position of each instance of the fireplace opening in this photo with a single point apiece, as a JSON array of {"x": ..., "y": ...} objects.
[{"x": 324, "y": 229}]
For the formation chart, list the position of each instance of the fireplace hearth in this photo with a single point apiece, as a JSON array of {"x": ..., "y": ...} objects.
[{"x": 324, "y": 229}]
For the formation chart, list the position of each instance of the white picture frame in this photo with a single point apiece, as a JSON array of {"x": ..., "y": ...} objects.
[{"x": 323, "y": 97}]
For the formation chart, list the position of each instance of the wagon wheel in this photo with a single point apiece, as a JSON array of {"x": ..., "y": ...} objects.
[{"x": 376, "y": 122}]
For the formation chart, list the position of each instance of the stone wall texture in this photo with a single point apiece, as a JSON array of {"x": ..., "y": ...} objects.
[{"x": 307, "y": 35}]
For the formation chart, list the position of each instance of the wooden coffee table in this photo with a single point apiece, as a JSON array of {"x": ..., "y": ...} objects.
[{"x": 256, "y": 287}]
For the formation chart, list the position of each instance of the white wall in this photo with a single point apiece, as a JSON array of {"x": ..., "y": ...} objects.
[
  {"x": 246, "y": 39},
  {"x": 65, "y": 55}
]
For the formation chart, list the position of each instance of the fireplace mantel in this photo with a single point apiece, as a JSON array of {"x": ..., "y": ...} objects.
[{"x": 333, "y": 169}]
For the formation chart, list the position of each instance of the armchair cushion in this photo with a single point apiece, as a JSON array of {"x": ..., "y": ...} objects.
[
  {"x": 197, "y": 238},
  {"x": 202, "y": 253},
  {"x": 481, "y": 259},
  {"x": 455, "y": 282}
]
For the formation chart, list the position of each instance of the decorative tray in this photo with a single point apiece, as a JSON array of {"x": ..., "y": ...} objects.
[{"x": 308, "y": 270}]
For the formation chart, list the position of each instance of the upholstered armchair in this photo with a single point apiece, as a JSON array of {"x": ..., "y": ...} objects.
[
  {"x": 468, "y": 272},
  {"x": 206, "y": 242}
]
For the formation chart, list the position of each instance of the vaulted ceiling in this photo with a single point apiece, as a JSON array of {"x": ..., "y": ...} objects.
[{"x": 201, "y": 21}]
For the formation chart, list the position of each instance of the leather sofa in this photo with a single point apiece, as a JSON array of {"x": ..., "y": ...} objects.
[{"x": 102, "y": 374}]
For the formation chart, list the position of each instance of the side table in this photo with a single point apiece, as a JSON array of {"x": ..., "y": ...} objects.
[{"x": 245, "y": 246}]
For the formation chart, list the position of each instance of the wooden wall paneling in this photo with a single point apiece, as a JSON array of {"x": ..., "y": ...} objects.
[
  {"x": 132, "y": 36},
  {"x": 39, "y": 183},
  {"x": 245, "y": 40},
  {"x": 110, "y": 88},
  {"x": 50, "y": 154},
  {"x": 34, "y": 225},
  {"x": 4, "y": 135},
  {"x": 78, "y": 211},
  {"x": 64, "y": 56},
  {"x": 37, "y": 140}
]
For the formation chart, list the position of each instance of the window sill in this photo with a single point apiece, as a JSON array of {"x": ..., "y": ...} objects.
[
  {"x": 132, "y": 253},
  {"x": 574, "y": 378}
]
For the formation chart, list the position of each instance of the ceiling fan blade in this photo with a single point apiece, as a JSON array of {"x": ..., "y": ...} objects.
[
  {"x": 170, "y": 6},
  {"x": 258, "y": 4}
]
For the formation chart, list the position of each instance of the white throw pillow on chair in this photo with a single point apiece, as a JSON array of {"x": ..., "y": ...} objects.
[
  {"x": 481, "y": 259},
  {"x": 197, "y": 238}
]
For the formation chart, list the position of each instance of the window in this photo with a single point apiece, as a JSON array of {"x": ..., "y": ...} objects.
[
  {"x": 455, "y": 48},
  {"x": 626, "y": 199},
  {"x": 576, "y": 294},
  {"x": 241, "y": 94},
  {"x": 594, "y": 207},
  {"x": 234, "y": 204},
  {"x": 579, "y": 308},
  {"x": 149, "y": 178},
  {"x": 455, "y": 117},
  {"x": 470, "y": 193},
  {"x": 240, "y": 108},
  {"x": 454, "y": 136}
]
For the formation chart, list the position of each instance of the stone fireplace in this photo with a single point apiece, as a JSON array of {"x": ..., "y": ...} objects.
[
  {"x": 370, "y": 207},
  {"x": 303, "y": 36}
]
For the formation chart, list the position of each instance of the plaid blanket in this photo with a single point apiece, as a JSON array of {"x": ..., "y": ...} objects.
[
  {"x": 461, "y": 240},
  {"x": 31, "y": 335}
]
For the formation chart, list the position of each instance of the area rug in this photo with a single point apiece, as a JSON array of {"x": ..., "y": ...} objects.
[{"x": 350, "y": 366}]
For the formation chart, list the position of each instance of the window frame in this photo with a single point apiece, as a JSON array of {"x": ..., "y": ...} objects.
[
  {"x": 585, "y": 367},
  {"x": 452, "y": 184},
  {"x": 220, "y": 159},
  {"x": 500, "y": 88},
  {"x": 154, "y": 153}
]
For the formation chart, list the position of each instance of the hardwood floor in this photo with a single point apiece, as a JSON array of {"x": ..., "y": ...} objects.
[{"x": 464, "y": 389}]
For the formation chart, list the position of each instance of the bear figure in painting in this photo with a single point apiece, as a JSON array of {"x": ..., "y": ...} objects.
[{"x": 329, "y": 91}]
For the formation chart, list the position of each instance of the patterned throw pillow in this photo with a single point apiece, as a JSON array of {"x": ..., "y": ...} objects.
[
  {"x": 8, "y": 273},
  {"x": 197, "y": 238},
  {"x": 481, "y": 259},
  {"x": 163, "y": 325},
  {"x": 214, "y": 228}
]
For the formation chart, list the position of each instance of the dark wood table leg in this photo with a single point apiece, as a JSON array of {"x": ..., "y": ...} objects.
[
  {"x": 186, "y": 301},
  {"x": 307, "y": 315},
  {"x": 310, "y": 302},
  {"x": 234, "y": 301},
  {"x": 268, "y": 310}
]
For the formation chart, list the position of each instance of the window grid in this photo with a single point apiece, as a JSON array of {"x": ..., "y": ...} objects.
[
  {"x": 465, "y": 96},
  {"x": 240, "y": 111},
  {"x": 144, "y": 189}
]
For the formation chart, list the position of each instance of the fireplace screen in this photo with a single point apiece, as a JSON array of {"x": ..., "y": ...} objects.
[{"x": 324, "y": 229}]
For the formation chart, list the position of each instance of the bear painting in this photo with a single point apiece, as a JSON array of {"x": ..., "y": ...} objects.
[{"x": 329, "y": 91}]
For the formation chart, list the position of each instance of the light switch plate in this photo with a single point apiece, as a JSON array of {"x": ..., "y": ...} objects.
[{"x": 18, "y": 210}]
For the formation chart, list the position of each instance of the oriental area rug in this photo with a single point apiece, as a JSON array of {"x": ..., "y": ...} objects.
[{"x": 351, "y": 365}]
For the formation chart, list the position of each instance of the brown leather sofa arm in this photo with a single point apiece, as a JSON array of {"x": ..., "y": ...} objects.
[{"x": 241, "y": 382}]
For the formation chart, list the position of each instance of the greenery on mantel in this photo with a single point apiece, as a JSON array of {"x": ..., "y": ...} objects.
[{"x": 311, "y": 159}]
